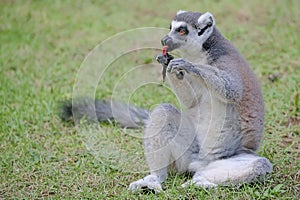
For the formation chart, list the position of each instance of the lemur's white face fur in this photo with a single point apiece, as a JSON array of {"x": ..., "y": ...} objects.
[{"x": 188, "y": 32}]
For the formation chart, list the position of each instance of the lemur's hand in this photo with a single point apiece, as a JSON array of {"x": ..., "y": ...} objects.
[
  {"x": 179, "y": 67},
  {"x": 164, "y": 59}
]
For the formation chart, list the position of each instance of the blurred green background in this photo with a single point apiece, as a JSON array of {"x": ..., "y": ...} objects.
[{"x": 43, "y": 43}]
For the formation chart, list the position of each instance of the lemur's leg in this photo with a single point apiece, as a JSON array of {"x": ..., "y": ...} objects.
[
  {"x": 237, "y": 169},
  {"x": 168, "y": 138}
]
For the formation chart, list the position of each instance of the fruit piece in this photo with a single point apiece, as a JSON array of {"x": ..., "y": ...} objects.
[{"x": 164, "y": 50}]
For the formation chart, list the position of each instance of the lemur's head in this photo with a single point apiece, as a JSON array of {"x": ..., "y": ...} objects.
[{"x": 188, "y": 31}]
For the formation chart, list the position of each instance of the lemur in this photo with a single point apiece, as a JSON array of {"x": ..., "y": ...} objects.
[{"x": 217, "y": 135}]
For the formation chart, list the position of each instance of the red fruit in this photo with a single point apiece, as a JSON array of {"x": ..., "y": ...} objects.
[{"x": 164, "y": 50}]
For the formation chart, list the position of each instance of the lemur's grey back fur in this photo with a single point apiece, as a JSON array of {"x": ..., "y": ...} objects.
[{"x": 216, "y": 51}]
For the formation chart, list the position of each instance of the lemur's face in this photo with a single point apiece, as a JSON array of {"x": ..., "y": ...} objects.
[
  {"x": 180, "y": 35},
  {"x": 188, "y": 31}
]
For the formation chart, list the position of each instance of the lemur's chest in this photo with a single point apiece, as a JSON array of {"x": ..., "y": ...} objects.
[{"x": 195, "y": 56}]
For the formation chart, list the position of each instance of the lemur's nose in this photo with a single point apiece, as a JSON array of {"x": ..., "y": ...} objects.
[{"x": 165, "y": 40}]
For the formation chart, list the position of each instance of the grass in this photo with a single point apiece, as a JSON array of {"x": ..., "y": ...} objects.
[{"x": 42, "y": 45}]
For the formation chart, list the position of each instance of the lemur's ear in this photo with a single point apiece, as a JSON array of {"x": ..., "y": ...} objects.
[
  {"x": 180, "y": 12},
  {"x": 206, "y": 19},
  {"x": 206, "y": 22}
]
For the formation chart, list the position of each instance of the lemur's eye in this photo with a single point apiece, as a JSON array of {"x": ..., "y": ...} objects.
[{"x": 182, "y": 32}]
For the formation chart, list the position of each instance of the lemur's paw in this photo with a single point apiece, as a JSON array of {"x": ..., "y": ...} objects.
[
  {"x": 179, "y": 67},
  {"x": 150, "y": 182},
  {"x": 200, "y": 182},
  {"x": 164, "y": 59}
]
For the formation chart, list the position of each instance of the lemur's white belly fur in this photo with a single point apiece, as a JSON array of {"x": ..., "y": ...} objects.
[
  {"x": 215, "y": 122},
  {"x": 217, "y": 130}
]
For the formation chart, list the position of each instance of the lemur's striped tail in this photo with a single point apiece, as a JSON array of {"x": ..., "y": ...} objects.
[{"x": 104, "y": 110}]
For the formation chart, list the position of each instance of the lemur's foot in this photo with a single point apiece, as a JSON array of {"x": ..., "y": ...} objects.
[
  {"x": 150, "y": 182},
  {"x": 179, "y": 67},
  {"x": 200, "y": 182}
]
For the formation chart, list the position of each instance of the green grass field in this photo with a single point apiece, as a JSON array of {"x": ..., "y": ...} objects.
[{"x": 42, "y": 45}]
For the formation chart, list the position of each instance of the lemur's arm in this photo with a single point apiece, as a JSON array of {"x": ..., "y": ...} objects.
[{"x": 221, "y": 82}]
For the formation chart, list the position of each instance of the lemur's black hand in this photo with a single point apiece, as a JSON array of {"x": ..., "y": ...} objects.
[{"x": 164, "y": 60}]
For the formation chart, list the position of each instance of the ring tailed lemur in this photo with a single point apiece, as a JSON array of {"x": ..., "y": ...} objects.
[
  {"x": 216, "y": 137},
  {"x": 218, "y": 134}
]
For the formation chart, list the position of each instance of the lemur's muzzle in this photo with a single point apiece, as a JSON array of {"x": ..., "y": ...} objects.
[{"x": 168, "y": 41}]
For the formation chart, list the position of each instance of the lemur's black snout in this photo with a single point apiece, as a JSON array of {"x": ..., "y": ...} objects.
[{"x": 166, "y": 40}]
